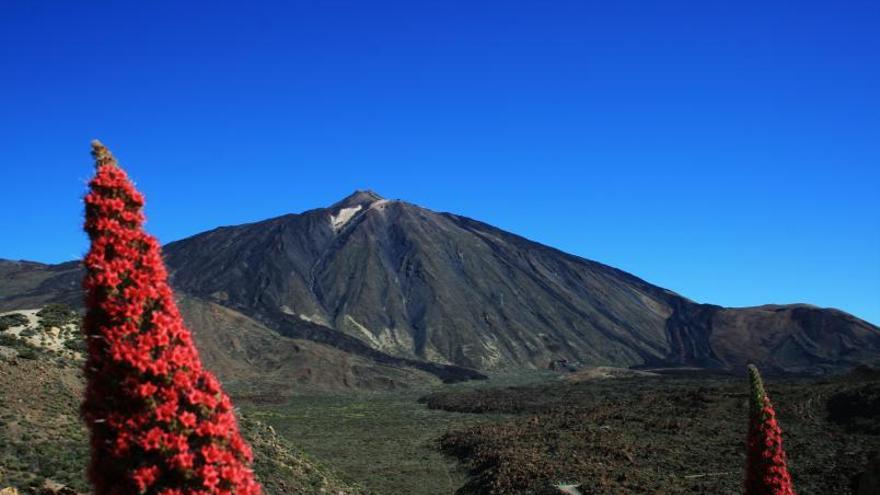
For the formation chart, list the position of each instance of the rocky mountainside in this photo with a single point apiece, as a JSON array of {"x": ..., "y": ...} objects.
[
  {"x": 237, "y": 348},
  {"x": 399, "y": 284}
]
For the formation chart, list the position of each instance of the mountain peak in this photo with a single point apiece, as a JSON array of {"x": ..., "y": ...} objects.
[{"x": 361, "y": 197}]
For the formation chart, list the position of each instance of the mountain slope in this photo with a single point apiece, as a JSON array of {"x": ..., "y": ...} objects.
[
  {"x": 259, "y": 364},
  {"x": 445, "y": 288},
  {"x": 390, "y": 280}
]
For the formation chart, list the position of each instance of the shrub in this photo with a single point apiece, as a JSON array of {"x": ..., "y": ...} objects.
[
  {"x": 160, "y": 424},
  {"x": 75, "y": 344},
  {"x": 12, "y": 320},
  {"x": 57, "y": 315},
  {"x": 28, "y": 332},
  {"x": 28, "y": 353}
]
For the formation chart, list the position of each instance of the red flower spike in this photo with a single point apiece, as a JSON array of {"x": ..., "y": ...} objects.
[
  {"x": 160, "y": 424},
  {"x": 766, "y": 468}
]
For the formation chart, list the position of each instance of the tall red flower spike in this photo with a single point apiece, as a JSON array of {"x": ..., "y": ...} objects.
[
  {"x": 766, "y": 468},
  {"x": 160, "y": 424}
]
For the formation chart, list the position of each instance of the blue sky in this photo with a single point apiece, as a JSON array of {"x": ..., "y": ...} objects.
[{"x": 729, "y": 151}]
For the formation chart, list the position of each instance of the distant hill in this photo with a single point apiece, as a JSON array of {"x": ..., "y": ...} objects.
[{"x": 389, "y": 280}]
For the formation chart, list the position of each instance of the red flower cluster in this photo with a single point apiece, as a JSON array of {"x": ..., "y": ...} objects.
[
  {"x": 160, "y": 424},
  {"x": 766, "y": 467}
]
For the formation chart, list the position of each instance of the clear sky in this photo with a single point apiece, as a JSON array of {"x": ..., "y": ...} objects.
[{"x": 729, "y": 151}]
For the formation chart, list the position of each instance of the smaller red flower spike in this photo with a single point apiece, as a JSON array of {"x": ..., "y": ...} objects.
[
  {"x": 766, "y": 465},
  {"x": 160, "y": 424}
]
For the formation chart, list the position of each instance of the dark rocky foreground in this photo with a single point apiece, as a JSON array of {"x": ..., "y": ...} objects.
[{"x": 661, "y": 435}]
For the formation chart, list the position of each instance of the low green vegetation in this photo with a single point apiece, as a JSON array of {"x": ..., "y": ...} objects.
[
  {"x": 385, "y": 441},
  {"x": 282, "y": 468}
]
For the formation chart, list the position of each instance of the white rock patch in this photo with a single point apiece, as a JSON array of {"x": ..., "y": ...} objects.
[
  {"x": 315, "y": 318},
  {"x": 367, "y": 333},
  {"x": 344, "y": 215}
]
